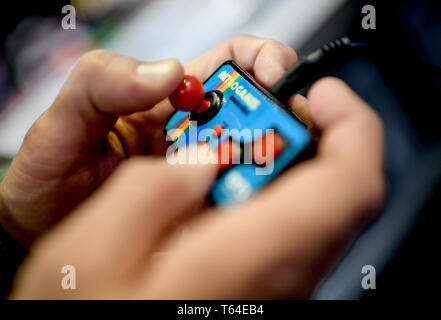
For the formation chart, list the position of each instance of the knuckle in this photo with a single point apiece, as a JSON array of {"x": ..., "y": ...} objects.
[
  {"x": 242, "y": 37},
  {"x": 93, "y": 61},
  {"x": 289, "y": 55},
  {"x": 273, "y": 43},
  {"x": 31, "y": 138}
]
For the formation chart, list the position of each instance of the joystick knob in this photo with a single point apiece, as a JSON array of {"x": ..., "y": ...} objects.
[{"x": 189, "y": 94}]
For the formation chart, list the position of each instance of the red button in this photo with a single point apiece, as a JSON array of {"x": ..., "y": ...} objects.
[
  {"x": 227, "y": 152},
  {"x": 218, "y": 130},
  {"x": 188, "y": 95},
  {"x": 275, "y": 144},
  {"x": 204, "y": 106}
]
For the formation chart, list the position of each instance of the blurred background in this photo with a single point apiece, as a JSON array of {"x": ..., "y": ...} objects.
[{"x": 400, "y": 77}]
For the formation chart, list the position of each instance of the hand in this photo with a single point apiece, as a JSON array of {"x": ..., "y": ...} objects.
[
  {"x": 110, "y": 108},
  {"x": 124, "y": 241}
]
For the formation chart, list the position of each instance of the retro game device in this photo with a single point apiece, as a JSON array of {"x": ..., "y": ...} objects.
[{"x": 255, "y": 134}]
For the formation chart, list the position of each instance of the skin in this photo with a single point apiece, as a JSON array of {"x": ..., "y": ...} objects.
[{"x": 126, "y": 240}]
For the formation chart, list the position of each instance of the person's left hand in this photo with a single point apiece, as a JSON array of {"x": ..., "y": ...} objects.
[{"x": 110, "y": 108}]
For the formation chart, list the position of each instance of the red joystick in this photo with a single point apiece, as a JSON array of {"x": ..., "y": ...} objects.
[{"x": 189, "y": 95}]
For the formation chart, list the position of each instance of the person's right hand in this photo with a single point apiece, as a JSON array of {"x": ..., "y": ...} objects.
[{"x": 123, "y": 241}]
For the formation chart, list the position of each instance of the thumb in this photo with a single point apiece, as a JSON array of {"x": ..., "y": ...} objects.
[
  {"x": 102, "y": 87},
  {"x": 351, "y": 132}
]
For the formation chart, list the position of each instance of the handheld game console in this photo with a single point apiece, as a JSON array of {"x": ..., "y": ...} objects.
[{"x": 257, "y": 136}]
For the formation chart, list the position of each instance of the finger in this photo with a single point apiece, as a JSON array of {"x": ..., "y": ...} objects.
[
  {"x": 120, "y": 225},
  {"x": 351, "y": 132},
  {"x": 284, "y": 240},
  {"x": 102, "y": 87},
  {"x": 299, "y": 105},
  {"x": 267, "y": 60}
]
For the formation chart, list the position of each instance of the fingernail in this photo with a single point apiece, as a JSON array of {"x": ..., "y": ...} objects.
[{"x": 157, "y": 70}]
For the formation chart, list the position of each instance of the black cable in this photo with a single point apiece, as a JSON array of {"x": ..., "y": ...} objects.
[{"x": 309, "y": 68}]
